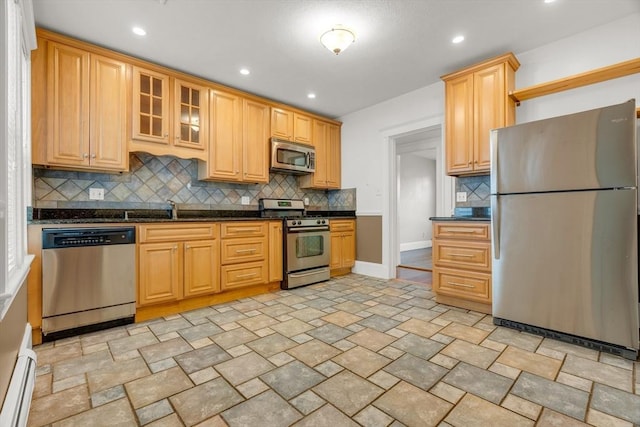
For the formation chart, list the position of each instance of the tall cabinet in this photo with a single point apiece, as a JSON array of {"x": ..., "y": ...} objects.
[{"x": 476, "y": 101}]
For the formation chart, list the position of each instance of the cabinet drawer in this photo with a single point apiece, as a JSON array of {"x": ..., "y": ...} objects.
[
  {"x": 172, "y": 232},
  {"x": 465, "y": 284},
  {"x": 461, "y": 230},
  {"x": 243, "y": 229},
  {"x": 457, "y": 254},
  {"x": 247, "y": 274},
  {"x": 242, "y": 250},
  {"x": 342, "y": 225}
]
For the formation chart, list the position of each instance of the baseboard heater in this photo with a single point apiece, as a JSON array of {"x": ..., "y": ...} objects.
[
  {"x": 15, "y": 409},
  {"x": 627, "y": 353}
]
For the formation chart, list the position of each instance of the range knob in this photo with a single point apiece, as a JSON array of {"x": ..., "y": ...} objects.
[
  {"x": 319, "y": 222},
  {"x": 299, "y": 222}
]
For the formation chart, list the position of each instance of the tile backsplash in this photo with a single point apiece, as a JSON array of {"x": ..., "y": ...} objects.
[
  {"x": 478, "y": 189},
  {"x": 153, "y": 180}
]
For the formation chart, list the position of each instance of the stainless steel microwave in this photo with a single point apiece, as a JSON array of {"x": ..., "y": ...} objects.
[{"x": 292, "y": 157}]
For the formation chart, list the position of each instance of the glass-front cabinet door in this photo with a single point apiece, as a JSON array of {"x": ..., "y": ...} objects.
[
  {"x": 190, "y": 115},
  {"x": 150, "y": 106}
]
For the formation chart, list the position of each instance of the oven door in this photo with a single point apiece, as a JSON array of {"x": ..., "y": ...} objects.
[{"x": 307, "y": 247}]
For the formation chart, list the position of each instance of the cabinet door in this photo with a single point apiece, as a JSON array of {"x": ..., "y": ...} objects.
[
  {"x": 459, "y": 124},
  {"x": 302, "y": 128},
  {"x": 336, "y": 250},
  {"x": 320, "y": 130},
  {"x": 275, "y": 252},
  {"x": 255, "y": 136},
  {"x": 348, "y": 249},
  {"x": 282, "y": 124},
  {"x": 201, "y": 267},
  {"x": 225, "y": 149},
  {"x": 108, "y": 122},
  {"x": 150, "y": 110},
  {"x": 191, "y": 115},
  {"x": 334, "y": 166},
  {"x": 68, "y": 105},
  {"x": 159, "y": 270},
  {"x": 489, "y": 111}
]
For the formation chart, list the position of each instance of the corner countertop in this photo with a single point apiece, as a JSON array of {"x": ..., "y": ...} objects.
[
  {"x": 134, "y": 216},
  {"x": 482, "y": 213}
]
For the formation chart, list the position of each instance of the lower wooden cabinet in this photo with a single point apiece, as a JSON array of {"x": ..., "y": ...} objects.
[
  {"x": 275, "y": 251},
  {"x": 343, "y": 245},
  {"x": 243, "y": 258},
  {"x": 172, "y": 267},
  {"x": 462, "y": 264}
]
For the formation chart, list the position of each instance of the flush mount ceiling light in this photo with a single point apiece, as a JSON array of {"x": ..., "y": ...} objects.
[
  {"x": 139, "y": 31},
  {"x": 245, "y": 71},
  {"x": 457, "y": 39},
  {"x": 311, "y": 95},
  {"x": 337, "y": 39}
]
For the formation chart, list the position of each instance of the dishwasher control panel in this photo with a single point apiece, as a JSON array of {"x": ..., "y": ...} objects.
[{"x": 55, "y": 238}]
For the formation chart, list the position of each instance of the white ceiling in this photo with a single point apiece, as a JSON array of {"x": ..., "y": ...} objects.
[{"x": 401, "y": 45}]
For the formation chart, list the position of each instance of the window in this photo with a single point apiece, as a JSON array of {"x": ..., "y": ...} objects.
[{"x": 17, "y": 40}]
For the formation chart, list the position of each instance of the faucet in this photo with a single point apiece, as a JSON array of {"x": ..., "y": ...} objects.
[{"x": 174, "y": 209}]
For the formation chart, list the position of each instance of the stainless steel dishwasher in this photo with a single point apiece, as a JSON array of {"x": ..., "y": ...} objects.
[{"x": 88, "y": 279}]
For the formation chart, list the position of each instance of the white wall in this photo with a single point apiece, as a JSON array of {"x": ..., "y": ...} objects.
[
  {"x": 416, "y": 201},
  {"x": 365, "y": 133}
]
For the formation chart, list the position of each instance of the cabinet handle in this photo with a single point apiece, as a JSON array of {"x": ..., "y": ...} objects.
[
  {"x": 166, "y": 134},
  {"x": 463, "y": 231},
  {"x": 93, "y": 156},
  {"x": 462, "y": 285},
  {"x": 463, "y": 255},
  {"x": 244, "y": 230},
  {"x": 85, "y": 156},
  {"x": 243, "y": 276},
  {"x": 244, "y": 251},
  {"x": 175, "y": 248}
]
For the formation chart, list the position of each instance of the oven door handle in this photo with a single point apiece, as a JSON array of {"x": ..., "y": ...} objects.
[
  {"x": 304, "y": 229},
  {"x": 310, "y": 273}
]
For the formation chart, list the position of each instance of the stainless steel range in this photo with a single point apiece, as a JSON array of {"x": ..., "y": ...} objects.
[{"x": 306, "y": 242}]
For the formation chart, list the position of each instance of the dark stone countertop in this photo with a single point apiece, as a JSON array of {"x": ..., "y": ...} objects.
[{"x": 466, "y": 214}]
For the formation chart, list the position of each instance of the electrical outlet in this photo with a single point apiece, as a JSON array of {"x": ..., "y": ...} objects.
[
  {"x": 306, "y": 201},
  {"x": 461, "y": 196},
  {"x": 96, "y": 194},
  {"x": 245, "y": 200}
]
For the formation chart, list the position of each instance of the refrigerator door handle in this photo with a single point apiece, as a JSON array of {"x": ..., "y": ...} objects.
[{"x": 495, "y": 226}]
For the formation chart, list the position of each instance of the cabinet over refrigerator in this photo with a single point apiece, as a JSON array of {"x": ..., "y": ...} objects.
[{"x": 564, "y": 198}]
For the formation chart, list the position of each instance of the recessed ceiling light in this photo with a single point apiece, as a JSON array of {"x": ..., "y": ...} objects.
[
  {"x": 549, "y": 1},
  {"x": 245, "y": 71},
  {"x": 139, "y": 31},
  {"x": 457, "y": 39},
  {"x": 311, "y": 95}
]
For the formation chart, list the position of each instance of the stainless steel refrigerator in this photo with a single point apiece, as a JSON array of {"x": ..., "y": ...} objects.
[{"x": 563, "y": 217}]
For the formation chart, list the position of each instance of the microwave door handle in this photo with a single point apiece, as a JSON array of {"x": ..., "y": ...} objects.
[{"x": 308, "y": 156}]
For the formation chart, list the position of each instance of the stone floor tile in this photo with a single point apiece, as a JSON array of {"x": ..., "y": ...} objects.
[
  {"x": 198, "y": 315},
  {"x": 257, "y": 322},
  {"x": 341, "y": 318},
  {"x": 48, "y": 355},
  {"x": 493, "y": 345},
  {"x": 313, "y": 352},
  {"x": 559, "y": 397},
  {"x": 226, "y": 317},
  {"x": 537, "y": 364},
  {"x": 371, "y": 339},
  {"x": 292, "y": 327},
  {"x": 464, "y": 332},
  {"x": 271, "y": 344},
  {"x": 549, "y": 352},
  {"x": 204, "y": 375},
  {"x": 81, "y": 365},
  {"x": 383, "y": 379},
  {"x": 169, "y": 421},
  {"x": 205, "y": 400},
  {"x": 163, "y": 350},
  {"x": 203, "y": 330},
  {"x": 327, "y": 416},
  {"x": 266, "y": 409},
  {"x": 343, "y": 345},
  {"x": 573, "y": 381},
  {"x": 384, "y": 310},
  {"x": 162, "y": 328},
  {"x": 154, "y": 411},
  {"x": 420, "y": 327},
  {"x": 615, "y": 402},
  {"x": 202, "y": 342},
  {"x": 504, "y": 370},
  {"x": 485, "y": 384},
  {"x": 54, "y": 407},
  {"x": 277, "y": 310},
  {"x": 95, "y": 348},
  {"x": 201, "y": 358},
  {"x": 444, "y": 339},
  {"x": 447, "y": 392},
  {"x": 307, "y": 402},
  {"x": 600, "y": 419},
  {"x": 102, "y": 337},
  {"x": 575, "y": 350},
  {"x": 292, "y": 379},
  {"x": 599, "y": 372},
  {"x": 239, "y": 350},
  {"x": 108, "y": 395},
  {"x": 247, "y": 304},
  {"x": 292, "y": 299},
  {"x": 372, "y": 417},
  {"x": 234, "y": 338},
  {"x": 444, "y": 361},
  {"x": 348, "y": 392},
  {"x": 252, "y": 387},
  {"x": 465, "y": 318},
  {"x": 42, "y": 386},
  {"x": 416, "y": 371},
  {"x": 361, "y": 361},
  {"x": 168, "y": 336},
  {"x": 280, "y": 359},
  {"x": 412, "y": 406},
  {"x": 421, "y": 313},
  {"x": 391, "y": 352},
  {"x": 379, "y": 323},
  {"x": 307, "y": 314},
  {"x": 516, "y": 338},
  {"x": 133, "y": 342},
  {"x": 264, "y": 332},
  {"x": 152, "y": 388},
  {"x": 618, "y": 361},
  {"x": 418, "y": 346},
  {"x": 330, "y": 333},
  {"x": 162, "y": 365},
  {"x": 68, "y": 382},
  {"x": 551, "y": 418},
  {"x": 117, "y": 412},
  {"x": 470, "y": 353},
  {"x": 521, "y": 406},
  {"x": 244, "y": 368},
  {"x": 473, "y": 410},
  {"x": 351, "y": 307},
  {"x": 302, "y": 338}
]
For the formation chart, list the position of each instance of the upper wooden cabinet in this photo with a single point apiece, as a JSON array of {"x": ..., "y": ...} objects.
[
  {"x": 239, "y": 144},
  {"x": 170, "y": 116},
  {"x": 326, "y": 140},
  {"x": 291, "y": 126},
  {"x": 476, "y": 101},
  {"x": 80, "y": 115}
]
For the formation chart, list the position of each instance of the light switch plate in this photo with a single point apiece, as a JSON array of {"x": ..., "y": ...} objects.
[
  {"x": 245, "y": 200},
  {"x": 461, "y": 196},
  {"x": 96, "y": 194}
]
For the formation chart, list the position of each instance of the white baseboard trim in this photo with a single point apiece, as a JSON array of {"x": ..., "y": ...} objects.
[
  {"x": 415, "y": 245},
  {"x": 370, "y": 269}
]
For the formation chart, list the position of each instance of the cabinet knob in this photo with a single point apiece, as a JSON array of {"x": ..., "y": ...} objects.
[
  {"x": 93, "y": 156},
  {"x": 85, "y": 156},
  {"x": 166, "y": 134},
  {"x": 187, "y": 247}
]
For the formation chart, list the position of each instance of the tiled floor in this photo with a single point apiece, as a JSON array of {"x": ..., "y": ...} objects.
[{"x": 348, "y": 352}]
